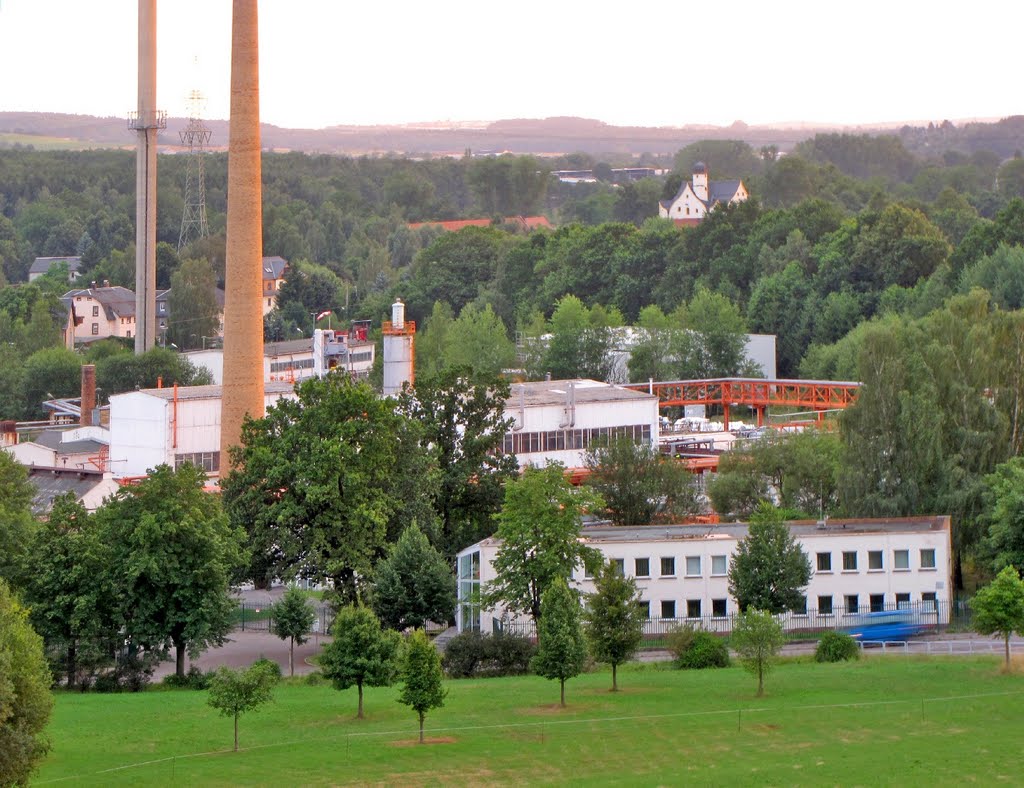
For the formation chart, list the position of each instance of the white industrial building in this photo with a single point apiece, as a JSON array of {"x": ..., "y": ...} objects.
[
  {"x": 858, "y": 565},
  {"x": 558, "y": 420},
  {"x": 299, "y": 359},
  {"x": 171, "y": 426}
]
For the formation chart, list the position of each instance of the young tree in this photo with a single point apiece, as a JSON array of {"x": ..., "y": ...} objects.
[
  {"x": 615, "y": 624},
  {"x": 757, "y": 638},
  {"x": 561, "y": 645},
  {"x": 539, "y": 528},
  {"x": 173, "y": 556},
  {"x": 639, "y": 485},
  {"x": 25, "y": 699},
  {"x": 769, "y": 569},
  {"x": 413, "y": 584},
  {"x": 999, "y": 607},
  {"x": 421, "y": 677},
  {"x": 290, "y": 619},
  {"x": 361, "y": 652},
  {"x": 234, "y": 692}
]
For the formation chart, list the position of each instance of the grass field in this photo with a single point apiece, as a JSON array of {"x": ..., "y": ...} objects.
[
  {"x": 884, "y": 720},
  {"x": 40, "y": 142}
]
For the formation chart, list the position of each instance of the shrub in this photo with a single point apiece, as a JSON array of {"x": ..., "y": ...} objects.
[
  {"x": 195, "y": 679},
  {"x": 695, "y": 649},
  {"x": 131, "y": 674},
  {"x": 474, "y": 654},
  {"x": 836, "y": 647},
  {"x": 270, "y": 665}
]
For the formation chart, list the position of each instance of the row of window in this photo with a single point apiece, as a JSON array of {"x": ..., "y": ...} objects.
[
  {"x": 667, "y": 564},
  {"x": 851, "y": 603},
  {"x": 209, "y": 461},
  {"x": 876, "y": 560},
  {"x": 564, "y": 440},
  {"x": 284, "y": 366}
]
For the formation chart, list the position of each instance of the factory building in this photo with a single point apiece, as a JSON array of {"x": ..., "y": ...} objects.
[{"x": 681, "y": 571}]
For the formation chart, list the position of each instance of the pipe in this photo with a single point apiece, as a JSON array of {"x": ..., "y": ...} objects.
[{"x": 174, "y": 440}]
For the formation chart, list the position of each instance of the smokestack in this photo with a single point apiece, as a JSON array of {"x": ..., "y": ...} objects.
[
  {"x": 88, "y": 394},
  {"x": 146, "y": 121},
  {"x": 243, "y": 288}
]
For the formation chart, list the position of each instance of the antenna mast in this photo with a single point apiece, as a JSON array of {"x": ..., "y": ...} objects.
[{"x": 196, "y": 135}]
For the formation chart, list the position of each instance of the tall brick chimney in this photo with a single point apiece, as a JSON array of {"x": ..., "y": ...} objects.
[
  {"x": 243, "y": 287},
  {"x": 88, "y": 394}
]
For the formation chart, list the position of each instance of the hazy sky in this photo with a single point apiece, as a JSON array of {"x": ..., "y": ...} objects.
[{"x": 327, "y": 62}]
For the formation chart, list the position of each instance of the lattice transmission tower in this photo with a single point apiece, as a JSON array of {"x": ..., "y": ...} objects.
[{"x": 196, "y": 135}]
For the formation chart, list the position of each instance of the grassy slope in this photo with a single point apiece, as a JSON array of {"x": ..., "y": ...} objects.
[{"x": 308, "y": 735}]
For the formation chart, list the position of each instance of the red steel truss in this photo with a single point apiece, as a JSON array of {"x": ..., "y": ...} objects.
[{"x": 816, "y": 395}]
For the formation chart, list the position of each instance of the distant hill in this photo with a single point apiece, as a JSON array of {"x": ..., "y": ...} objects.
[{"x": 548, "y": 136}]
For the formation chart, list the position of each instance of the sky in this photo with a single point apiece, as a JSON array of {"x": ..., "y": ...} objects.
[{"x": 338, "y": 62}]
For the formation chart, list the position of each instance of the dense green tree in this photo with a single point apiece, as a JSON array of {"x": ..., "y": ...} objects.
[
  {"x": 1001, "y": 274},
  {"x": 714, "y": 340},
  {"x": 561, "y": 644},
  {"x": 432, "y": 342},
  {"x": 422, "y": 677},
  {"x": 1003, "y": 544},
  {"x": 577, "y": 348},
  {"x": 290, "y": 619},
  {"x": 639, "y": 484},
  {"x": 194, "y": 313},
  {"x": 478, "y": 341},
  {"x": 125, "y": 371},
  {"x": 614, "y": 620},
  {"x": 413, "y": 584},
  {"x": 48, "y": 374},
  {"x": 361, "y": 653},
  {"x": 769, "y": 570},
  {"x": 313, "y": 287},
  {"x": 25, "y": 699},
  {"x": 464, "y": 425},
  {"x": 322, "y": 481},
  {"x": 173, "y": 556},
  {"x": 539, "y": 527},
  {"x": 16, "y": 524},
  {"x": 999, "y": 607},
  {"x": 234, "y": 692},
  {"x": 757, "y": 638}
]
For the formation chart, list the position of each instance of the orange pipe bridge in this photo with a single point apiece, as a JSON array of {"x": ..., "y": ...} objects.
[{"x": 815, "y": 395}]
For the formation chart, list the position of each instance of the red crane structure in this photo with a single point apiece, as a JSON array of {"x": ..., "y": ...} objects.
[{"x": 816, "y": 395}]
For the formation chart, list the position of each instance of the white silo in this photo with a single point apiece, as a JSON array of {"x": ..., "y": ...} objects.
[{"x": 399, "y": 358}]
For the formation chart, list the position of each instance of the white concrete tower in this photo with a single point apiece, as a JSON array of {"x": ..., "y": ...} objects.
[
  {"x": 700, "y": 180},
  {"x": 399, "y": 353}
]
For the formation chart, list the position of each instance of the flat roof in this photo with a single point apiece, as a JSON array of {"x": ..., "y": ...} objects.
[
  {"x": 604, "y": 533},
  {"x": 210, "y": 392},
  {"x": 555, "y": 392}
]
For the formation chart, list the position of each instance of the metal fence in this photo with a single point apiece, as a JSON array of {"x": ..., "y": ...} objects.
[
  {"x": 932, "y": 616},
  {"x": 253, "y": 617}
]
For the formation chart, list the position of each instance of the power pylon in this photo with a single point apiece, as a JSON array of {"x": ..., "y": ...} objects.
[{"x": 196, "y": 135}]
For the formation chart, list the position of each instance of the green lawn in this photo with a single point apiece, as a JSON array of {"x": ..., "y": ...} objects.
[
  {"x": 40, "y": 142},
  {"x": 889, "y": 720}
]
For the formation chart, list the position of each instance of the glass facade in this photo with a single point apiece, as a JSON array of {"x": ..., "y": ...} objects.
[{"x": 469, "y": 591}]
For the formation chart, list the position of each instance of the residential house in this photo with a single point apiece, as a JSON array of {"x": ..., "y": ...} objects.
[
  {"x": 42, "y": 265},
  {"x": 101, "y": 312},
  {"x": 697, "y": 197},
  {"x": 275, "y": 270}
]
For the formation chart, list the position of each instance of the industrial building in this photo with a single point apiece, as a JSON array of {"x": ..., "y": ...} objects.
[
  {"x": 558, "y": 420},
  {"x": 858, "y": 565},
  {"x": 171, "y": 426}
]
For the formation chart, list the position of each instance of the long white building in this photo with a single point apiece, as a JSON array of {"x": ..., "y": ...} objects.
[{"x": 682, "y": 571}]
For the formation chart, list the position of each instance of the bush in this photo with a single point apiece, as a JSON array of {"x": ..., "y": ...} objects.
[
  {"x": 131, "y": 674},
  {"x": 474, "y": 654},
  {"x": 195, "y": 679},
  {"x": 695, "y": 649},
  {"x": 836, "y": 647},
  {"x": 270, "y": 665}
]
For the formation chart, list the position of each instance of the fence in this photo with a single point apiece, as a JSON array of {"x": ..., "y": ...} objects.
[
  {"x": 933, "y": 616},
  {"x": 252, "y": 617}
]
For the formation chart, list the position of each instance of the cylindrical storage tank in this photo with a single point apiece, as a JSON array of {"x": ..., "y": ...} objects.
[
  {"x": 398, "y": 361},
  {"x": 398, "y": 315}
]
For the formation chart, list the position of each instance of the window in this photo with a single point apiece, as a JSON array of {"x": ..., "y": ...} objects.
[
  {"x": 850, "y": 561},
  {"x": 642, "y": 567},
  {"x": 852, "y": 604},
  {"x": 620, "y": 565},
  {"x": 902, "y": 601},
  {"x": 801, "y": 609},
  {"x": 927, "y": 557},
  {"x": 588, "y": 573},
  {"x": 645, "y": 608},
  {"x": 720, "y": 608},
  {"x": 874, "y": 560},
  {"x": 877, "y": 602},
  {"x": 693, "y": 608},
  {"x": 668, "y": 608},
  {"x": 824, "y": 562},
  {"x": 928, "y": 601},
  {"x": 95, "y": 329},
  {"x": 901, "y": 559},
  {"x": 693, "y": 566},
  {"x": 96, "y": 312},
  {"x": 668, "y": 567},
  {"x": 825, "y": 605},
  {"x": 719, "y": 565}
]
